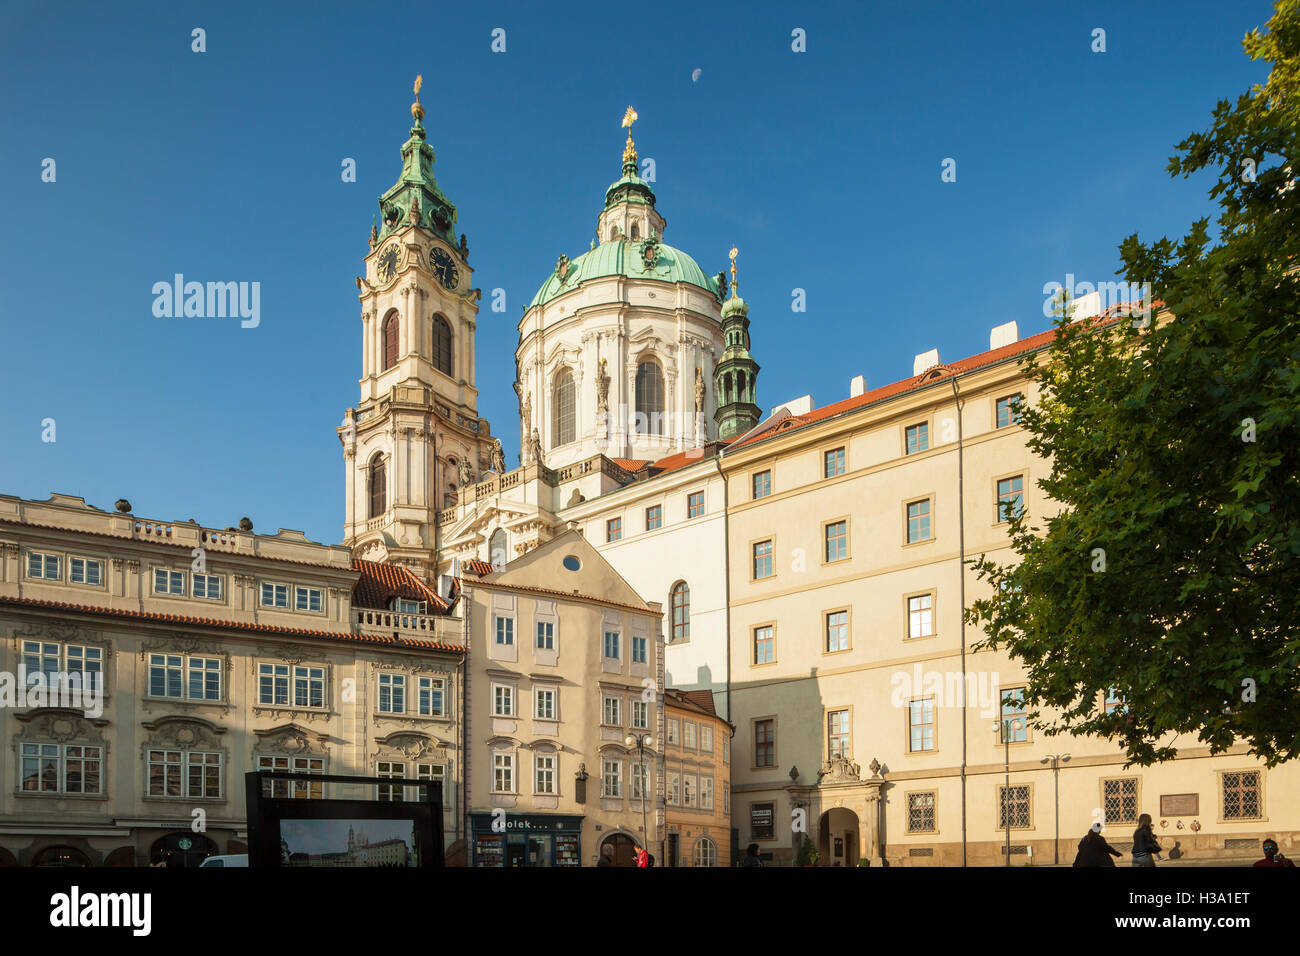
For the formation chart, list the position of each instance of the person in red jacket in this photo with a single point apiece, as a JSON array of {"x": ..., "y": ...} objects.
[
  {"x": 642, "y": 857},
  {"x": 1271, "y": 856}
]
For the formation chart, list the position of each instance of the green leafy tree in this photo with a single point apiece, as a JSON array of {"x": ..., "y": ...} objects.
[{"x": 1172, "y": 573}]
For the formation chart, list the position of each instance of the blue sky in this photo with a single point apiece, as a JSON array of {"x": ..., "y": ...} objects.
[{"x": 823, "y": 167}]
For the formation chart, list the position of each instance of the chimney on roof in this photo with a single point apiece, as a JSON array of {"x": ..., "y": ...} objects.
[
  {"x": 1086, "y": 306},
  {"x": 857, "y": 386},
  {"x": 924, "y": 361},
  {"x": 1001, "y": 335},
  {"x": 798, "y": 406}
]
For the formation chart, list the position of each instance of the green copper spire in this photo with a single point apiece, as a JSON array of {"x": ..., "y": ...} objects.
[
  {"x": 735, "y": 378},
  {"x": 415, "y": 199}
]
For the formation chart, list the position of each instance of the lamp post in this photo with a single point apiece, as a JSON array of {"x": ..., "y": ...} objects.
[
  {"x": 640, "y": 742},
  {"x": 1056, "y": 760},
  {"x": 1006, "y": 726}
]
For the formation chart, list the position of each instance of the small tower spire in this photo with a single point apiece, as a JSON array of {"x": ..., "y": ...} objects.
[
  {"x": 735, "y": 283},
  {"x": 417, "y": 111},
  {"x": 735, "y": 377},
  {"x": 629, "y": 151}
]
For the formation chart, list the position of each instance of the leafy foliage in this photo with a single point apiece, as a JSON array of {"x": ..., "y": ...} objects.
[{"x": 1175, "y": 450}]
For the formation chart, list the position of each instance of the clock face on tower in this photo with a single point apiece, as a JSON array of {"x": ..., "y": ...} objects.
[
  {"x": 444, "y": 268},
  {"x": 387, "y": 265}
]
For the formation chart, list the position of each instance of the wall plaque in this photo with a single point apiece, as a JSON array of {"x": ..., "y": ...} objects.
[{"x": 1180, "y": 804}]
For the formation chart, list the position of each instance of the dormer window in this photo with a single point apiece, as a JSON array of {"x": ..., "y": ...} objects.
[{"x": 403, "y": 606}]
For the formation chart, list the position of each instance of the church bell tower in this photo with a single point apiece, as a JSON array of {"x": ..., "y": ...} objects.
[{"x": 415, "y": 437}]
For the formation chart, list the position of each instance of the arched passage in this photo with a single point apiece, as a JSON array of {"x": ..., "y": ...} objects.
[{"x": 838, "y": 837}]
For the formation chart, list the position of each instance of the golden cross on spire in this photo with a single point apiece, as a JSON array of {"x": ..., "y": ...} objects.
[
  {"x": 417, "y": 111},
  {"x": 734, "y": 252},
  {"x": 629, "y": 151}
]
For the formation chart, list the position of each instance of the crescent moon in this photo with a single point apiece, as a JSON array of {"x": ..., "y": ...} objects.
[{"x": 695, "y": 75}]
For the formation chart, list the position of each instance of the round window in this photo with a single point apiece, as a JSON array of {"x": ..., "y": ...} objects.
[{"x": 572, "y": 563}]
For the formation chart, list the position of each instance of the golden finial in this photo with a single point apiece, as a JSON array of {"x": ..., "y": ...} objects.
[
  {"x": 629, "y": 151},
  {"x": 734, "y": 252},
  {"x": 417, "y": 111}
]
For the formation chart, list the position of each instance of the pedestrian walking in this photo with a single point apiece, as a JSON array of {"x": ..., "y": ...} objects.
[
  {"x": 1145, "y": 848},
  {"x": 1094, "y": 850},
  {"x": 642, "y": 857},
  {"x": 606, "y": 856}
]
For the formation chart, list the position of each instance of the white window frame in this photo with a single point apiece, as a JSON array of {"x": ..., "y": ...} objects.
[
  {"x": 310, "y": 592},
  {"x": 504, "y": 692},
  {"x": 45, "y": 558},
  {"x": 172, "y": 577},
  {"x": 86, "y": 564},
  {"x": 395, "y": 685},
  {"x": 545, "y": 636},
  {"x": 544, "y": 774},
  {"x": 275, "y": 588},
  {"x": 183, "y": 765},
  {"x": 435, "y": 688},
  {"x": 606, "y": 700},
  {"x": 611, "y": 772},
  {"x": 504, "y": 626},
  {"x": 46, "y": 751},
  {"x": 208, "y": 582},
  {"x": 187, "y": 666},
  {"x": 503, "y": 772}
]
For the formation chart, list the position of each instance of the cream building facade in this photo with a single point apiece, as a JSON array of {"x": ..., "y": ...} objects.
[
  {"x": 565, "y": 710},
  {"x": 218, "y": 653}
]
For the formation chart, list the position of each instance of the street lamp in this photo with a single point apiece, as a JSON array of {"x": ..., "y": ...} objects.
[
  {"x": 1056, "y": 761},
  {"x": 640, "y": 742},
  {"x": 1007, "y": 725}
]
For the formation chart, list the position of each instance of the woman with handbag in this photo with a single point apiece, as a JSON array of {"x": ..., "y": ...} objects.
[{"x": 1145, "y": 846}]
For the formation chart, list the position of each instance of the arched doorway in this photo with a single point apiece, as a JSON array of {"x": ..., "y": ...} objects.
[
  {"x": 838, "y": 838},
  {"x": 624, "y": 848},
  {"x": 122, "y": 856},
  {"x": 60, "y": 856},
  {"x": 181, "y": 849}
]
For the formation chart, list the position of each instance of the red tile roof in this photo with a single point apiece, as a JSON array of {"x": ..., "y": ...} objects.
[
  {"x": 475, "y": 566},
  {"x": 231, "y": 625},
  {"x": 631, "y": 464},
  {"x": 380, "y": 583},
  {"x": 699, "y": 699}
]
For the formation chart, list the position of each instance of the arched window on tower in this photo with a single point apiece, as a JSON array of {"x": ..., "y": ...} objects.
[
  {"x": 680, "y": 602},
  {"x": 649, "y": 399},
  {"x": 563, "y": 409},
  {"x": 497, "y": 549},
  {"x": 391, "y": 325},
  {"x": 741, "y": 394},
  {"x": 441, "y": 345},
  {"x": 726, "y": 389},
  {"x": 378, "y": 486},
  {"x": 636, "y": 231},
  {"x": 613, "y": 233}
]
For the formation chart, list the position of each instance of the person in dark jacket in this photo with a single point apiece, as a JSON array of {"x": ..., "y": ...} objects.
[
  {"x": 1271, "y": 856},
  {"x": 1144, "y": 843},
  {"x": 1094, "y": 850},
  {"x": 751, "y": 856}
]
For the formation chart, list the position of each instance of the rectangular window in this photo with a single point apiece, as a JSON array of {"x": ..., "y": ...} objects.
[
  {"x": 837, "y": 541},
  {"x": 672, "y": 725},
  {"x": 918, "y": 521},
  {"x": 503, "y": 773},
  {"x": 546, "y": 635},
  {"x": 184, "y": 773},
  {"x": 706, "y": 738},
  {"x": 392, "y": 693},
  {"x": 1242, "y": 798},
  {"x": 168, "y": 582},
  {"x": 1009, "y": 410},
  {"x": 695, "y": 504},
  {"x": 503, "y": 700},
  {"x": 273, "y": 684},
  {"x": 689, "y": 784},
  {"x": 613, "y": 529},
  {"x": 429, "y": 696},
  {"x": 544, "y": 703},
  {"x": 837, "y": 631},
  {"x": 208, "y": 586},
  {"x": 87, "y": 663},
  {"x": 640, "y": 715},
  {"x": 308, "y": 686},
  {"x": 55, "y": 768},
  {"x": 1013, "y": 716},
  {"x": 1120, "y": 800},
  {"x": 762, "y": 821},
  {"x": 612, "y": 777},
  {"x": 762, "y": 483},
  {"x": 764, "y": 645},
  {"x": 726, "y": 798},
  {"x": 45, "y": 566},
  {"x": 675, "y": 789},
  {"x": 275, "y": 595},
  {"x": 833, "y": 463},
  {"x": 611, "y": 714},
  {"x": 763, "y": 560},
  {"x": 42, "y": 657},
  {"x": 544, "y": 773},
  {"x": 765, "y": 743},
  {"x": 920, "y": 616},
  {"x": 920, "y": 812},
  {"x": 689, "y": 728},
  {"x": 40, "y": 771},
  {"x": 309, "y": 599},
  {"x": 654, "y": 517},
  {"x": 85, "y": 571},
  {"x": 1114, "y": 702},
  {"x": 837, "y": 733},
  {"x": 1013, "y": 806},
  {"x": 505, "y": 631},
  {"x": 640, "y": 647},
  {"x": 81, "y": 769},
  {"x": 1011, "y": 498},
  {"x": 639, "y": 775},
  {"x": 706, "y": 793},
  {"x": 433, "y": 772},
  {"x": 918, "y": 437},
  {"x": 920, "y": 725},
  {"x": 394, "y": 769},
  {"x": 293, "y": 789},
  {"x": 611, "y": 648},
  {"x": 181, "y": 677}
]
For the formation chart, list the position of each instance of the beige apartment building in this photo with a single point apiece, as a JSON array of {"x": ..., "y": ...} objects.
[
  {"x": 565, "y": 682},
  {"x": 697, "y": 781},
  {"x": 847, "y": 527},
  {"x": 218, "y": 652}
]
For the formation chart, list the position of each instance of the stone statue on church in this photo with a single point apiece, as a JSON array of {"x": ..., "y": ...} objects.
[
  {"x": 415, "y": 210},
  {"x": 498, "y": 457},
  {"x": 526, "y": 412},
  {"x": 466, "y": 473},
  {"x": 699, "y": 391},
  {"x": 535, "y": 449},
  {"x": 464, "y": 248},
  {"x": 602, "y": 388}
]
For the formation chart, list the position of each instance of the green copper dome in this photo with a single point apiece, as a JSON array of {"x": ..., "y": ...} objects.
[{"x": 626, "y": 258}]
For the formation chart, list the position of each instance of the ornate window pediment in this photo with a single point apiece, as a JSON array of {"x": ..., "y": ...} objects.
[
  {"x": 183, "y": 733},
  {"x": 411, "y": 745},
  {"x": 60, "y": 725},
  {"x": 290, "y": 739}
]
